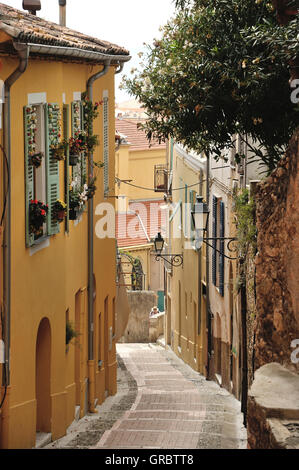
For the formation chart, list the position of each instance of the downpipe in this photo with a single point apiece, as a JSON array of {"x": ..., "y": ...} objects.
[
  {"x": 23, "y": 53},
  {"x": 91, "y": 372}
]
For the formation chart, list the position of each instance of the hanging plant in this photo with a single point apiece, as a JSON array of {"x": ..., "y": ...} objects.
[
  {"x": 58, "y": 152},
  {"x": 36, "y": 159},
  {"x": 91, "y": 189}
]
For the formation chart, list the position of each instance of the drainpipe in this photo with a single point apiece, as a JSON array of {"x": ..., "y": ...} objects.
[
  {"x": 209, "y": 315},
  {"x": 89, "y": 87},
  {"x": 23, "y": 52}
]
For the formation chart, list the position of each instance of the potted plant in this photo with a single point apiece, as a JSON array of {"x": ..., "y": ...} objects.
[
  {"x": 91, "y": 188},
  {"x": 36, "y": 159},
  {"x": 58, "y": 151},
  {"x": 74, "y": 204},
  {"x": 59, "y": 210},
  {"x": 37, "y": 216},
  {"x": 76, "y": 146}
]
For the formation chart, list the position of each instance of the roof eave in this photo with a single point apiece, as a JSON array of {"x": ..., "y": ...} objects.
[{"x": 63, "y": 51}]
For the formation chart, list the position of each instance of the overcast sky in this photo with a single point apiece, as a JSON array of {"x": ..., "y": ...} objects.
[{"x": 127, "y": 23}]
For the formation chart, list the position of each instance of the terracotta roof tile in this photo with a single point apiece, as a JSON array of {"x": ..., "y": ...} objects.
[
  {"x": 26, "y": 27},
  {"x": 131, "y": 232},
  {"x": 136, "y": 137}
]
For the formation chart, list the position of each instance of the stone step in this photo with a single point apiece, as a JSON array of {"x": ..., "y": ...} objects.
[{"x": 42, "y": 439}]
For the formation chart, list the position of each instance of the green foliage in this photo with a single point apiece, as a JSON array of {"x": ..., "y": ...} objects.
[
  {"x": 220, "y": 69},
  {"x": 70, "y": 332},
  {"x": 244, "y": 208}
]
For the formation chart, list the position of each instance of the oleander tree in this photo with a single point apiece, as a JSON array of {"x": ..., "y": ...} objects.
[{"x": 221, "y": 68}]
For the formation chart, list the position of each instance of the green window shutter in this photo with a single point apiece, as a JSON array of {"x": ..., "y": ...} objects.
[
  {"x": 106, "y": 142},
  {"x": 29, "y": 171},
  {"x": 66, "y": 118},
  {"x": 52, "y": 129},
  {"x": 83, "y": 157},
  {"x": 76, "y": 116}
]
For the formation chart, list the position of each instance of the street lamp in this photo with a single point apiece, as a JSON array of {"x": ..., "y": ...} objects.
[
  {"x": 200, "y": 217},
  {"x": 173, "y": 259}
]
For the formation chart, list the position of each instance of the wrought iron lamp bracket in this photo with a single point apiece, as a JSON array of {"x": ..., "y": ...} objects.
[
  {"x": 172, "y": 259},
  {"x": 229, "y": 242}
]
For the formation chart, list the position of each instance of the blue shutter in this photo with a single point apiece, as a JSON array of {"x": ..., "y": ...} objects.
[
  {"x": 214, "y": 234},
  {"x": 221, "y": 256}
]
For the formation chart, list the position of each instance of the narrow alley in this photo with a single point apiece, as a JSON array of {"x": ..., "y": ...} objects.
[{"x": 161, "y": 403}]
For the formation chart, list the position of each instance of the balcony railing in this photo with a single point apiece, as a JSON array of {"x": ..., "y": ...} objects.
[{"x": 161, "y": 178}]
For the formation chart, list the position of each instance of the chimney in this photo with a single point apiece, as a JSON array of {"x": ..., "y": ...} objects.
[
  {"x": 32, "y": 6},
  {"x": 62, "y": 12}
]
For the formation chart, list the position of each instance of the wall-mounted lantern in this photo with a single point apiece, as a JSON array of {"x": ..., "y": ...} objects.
[
  {"x": 173, "y": 259},
  {"x": 200, "y": 216}
]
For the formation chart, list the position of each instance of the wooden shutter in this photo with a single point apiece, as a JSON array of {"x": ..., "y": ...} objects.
[
  {"x": 106, "y": 142},
  {"x": 66, "y": 118},
  {"x": 52, "y": 127},
  {"x": 214, "y": 234},
  {"x": 221, "y": 256},
  {"x": 29, "y": 171},
  {"x": 76, "y": 127},
  {"x": 83, "y": 156}
]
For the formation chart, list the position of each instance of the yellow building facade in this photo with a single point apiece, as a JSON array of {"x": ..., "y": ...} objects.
[
  {"x": 185, "y": 327},
  {"x": 46, "y": 382}
]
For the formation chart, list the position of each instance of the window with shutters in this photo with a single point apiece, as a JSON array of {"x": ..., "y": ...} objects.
[
  {"x": 218, "y": 231},
  {"x": 41, "y": 132}
]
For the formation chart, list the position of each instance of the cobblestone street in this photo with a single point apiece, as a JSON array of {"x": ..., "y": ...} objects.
[{"x": 161, "y": 403}]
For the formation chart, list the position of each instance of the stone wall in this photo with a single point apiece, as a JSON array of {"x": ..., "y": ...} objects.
[
  {"x": 273, "y": 409},
  {"x": 137, "y": 330},
  {"x": 156, "y": 326},
  {"x": 277, "y": 262}
]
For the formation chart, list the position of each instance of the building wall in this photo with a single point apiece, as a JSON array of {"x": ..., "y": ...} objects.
[
  {"x": 45, "y": 282},
  {"x": 138, "y": 166},
  {"x": 183, "y": 331}
]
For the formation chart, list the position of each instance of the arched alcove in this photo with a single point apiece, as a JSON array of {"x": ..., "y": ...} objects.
[{"x": 43, "y": 377}]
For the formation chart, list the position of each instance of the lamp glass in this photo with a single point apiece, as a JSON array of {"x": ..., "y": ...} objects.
[
  {"x": 159, "y": 243},
  {"x": 200, "y": 215}
]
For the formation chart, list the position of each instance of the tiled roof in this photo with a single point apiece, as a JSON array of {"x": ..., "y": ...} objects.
[
  {"x": 131, "y": 232},
  {"x": 28, "y": 28},
  {"x": 136, "y": 137}
]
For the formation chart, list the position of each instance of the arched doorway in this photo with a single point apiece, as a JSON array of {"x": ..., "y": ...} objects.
[
  {"x": 43, "y": 377},
  {"x": 137, "y": 275}
]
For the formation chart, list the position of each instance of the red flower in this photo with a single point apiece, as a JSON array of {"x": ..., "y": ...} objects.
[{"x": 43, "y": 212}]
